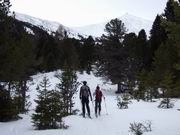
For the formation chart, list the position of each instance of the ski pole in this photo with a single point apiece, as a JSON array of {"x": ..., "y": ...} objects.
[
  {"x": 105, "y": 106},
  {"x": 92, "y": 105}
]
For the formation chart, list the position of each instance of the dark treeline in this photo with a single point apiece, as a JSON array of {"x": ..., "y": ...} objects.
[
  {"x": 146, "y": 67},
  {"x": 149, "y": 64},
  {"x": 26, "y": 50}
]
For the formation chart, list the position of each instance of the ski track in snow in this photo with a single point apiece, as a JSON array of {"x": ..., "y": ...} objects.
[{"x": 116, "y": 122}]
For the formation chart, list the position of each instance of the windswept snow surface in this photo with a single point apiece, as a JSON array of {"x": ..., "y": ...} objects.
[{"x": 111, "y": 122}]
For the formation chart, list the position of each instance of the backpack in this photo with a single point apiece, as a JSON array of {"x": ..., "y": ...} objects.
[
  {"x": 98, "y": 95},
  {"x": 85, "y": 91}
]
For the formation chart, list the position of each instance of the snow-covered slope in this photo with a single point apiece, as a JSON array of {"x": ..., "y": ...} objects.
[
  {"x": 135, "y": 24},
  {"x": 132, "y": 23},
  {"x": 47, "y": 25},
  {"x": 112, "y": 121}
]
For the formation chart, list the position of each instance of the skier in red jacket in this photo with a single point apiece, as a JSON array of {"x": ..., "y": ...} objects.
[{"x": 98, "y": 98}]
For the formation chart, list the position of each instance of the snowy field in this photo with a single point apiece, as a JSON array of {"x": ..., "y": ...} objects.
[{"x": 113, "y": 121}]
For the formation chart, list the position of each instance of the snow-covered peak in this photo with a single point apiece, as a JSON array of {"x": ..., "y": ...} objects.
[
  {"x": 135, "y": 24},
  {"x": 132, "y": 23}
]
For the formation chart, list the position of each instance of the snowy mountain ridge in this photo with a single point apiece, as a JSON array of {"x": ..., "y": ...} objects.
[
  {"x": 49, "y": 26},
  {"x": 132, "y": 23}
]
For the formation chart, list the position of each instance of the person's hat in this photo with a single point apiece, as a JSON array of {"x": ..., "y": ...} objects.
[
  {"x": 84, "y": 82},
  {"x": 97, "y": 87}
]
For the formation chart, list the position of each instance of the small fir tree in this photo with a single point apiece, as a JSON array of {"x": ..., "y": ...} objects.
[
  {"x": 123, "y": 101},
  {"x": 48, "y": 113},
  {"x": 140, "y": 92},
  {"x": 167, "y": 90},
  {"x": 68, "y": 87}
]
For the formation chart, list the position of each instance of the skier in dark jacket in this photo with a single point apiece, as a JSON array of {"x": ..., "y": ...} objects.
[
  {"x": 84, "y": 96},
  {"x": 98, "y": 98}
]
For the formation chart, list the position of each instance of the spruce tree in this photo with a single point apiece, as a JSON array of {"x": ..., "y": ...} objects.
[
  {"x": 86, "y": 54},
  {"x": 166, "y": 85},
  {"x": 167, "y": 90},
  {"x": 56, "y": 109},
  {"x": 41, "y": 116},
  {"x": 69, "y": 53},
  {"x": 48, "y": 113},
  {"x": 17, "y": 66},
  {"x": 68, "y": 87},
  {"x": 142, "y": 86},
  {"x": 167, "y": 56},
  {"x": 133, "y": 58},
  {"x": 8, "y": 108},
  {"x": 143, "y": 50},
  {"x": 112, "y": 62},
  {"x": 173, "y": 28},
  {"x": 169, "y": 11},
  {"x": 158, "y": 35},
  {"x": 164, "y": 43},
  {"x": 16, "y": 56}
]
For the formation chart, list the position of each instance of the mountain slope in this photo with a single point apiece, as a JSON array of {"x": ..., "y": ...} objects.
[
  {"x": 132, "y": 23},
  {"x": 46, "y": 25}
]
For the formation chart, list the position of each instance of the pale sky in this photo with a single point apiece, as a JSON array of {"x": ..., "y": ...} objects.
[{"x": 83, "y": 12}]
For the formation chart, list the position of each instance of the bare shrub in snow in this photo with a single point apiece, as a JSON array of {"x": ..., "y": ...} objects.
[
  {"x": 123, "y": 101},
  {"x": 140, "y": 128},
  {"x": 166, "y": 103}
]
